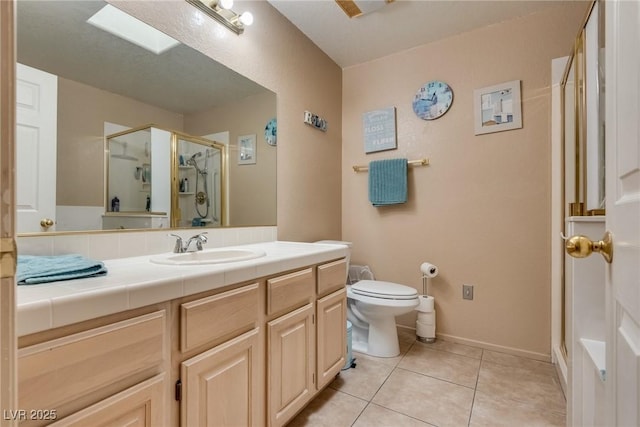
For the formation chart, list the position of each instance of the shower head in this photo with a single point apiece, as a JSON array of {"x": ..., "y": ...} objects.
[{"x": 192, "y": 160}]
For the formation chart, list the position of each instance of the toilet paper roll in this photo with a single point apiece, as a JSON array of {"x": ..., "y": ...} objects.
[
  {"x": 429, "y": 270},
  {"x": 426, "y": 325},
  {"x": 426, "y": 304}
]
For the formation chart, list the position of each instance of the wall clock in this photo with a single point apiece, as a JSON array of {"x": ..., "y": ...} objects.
[
  {"x": 271, "y": 132},
  {"x": 432, "y": 100}
]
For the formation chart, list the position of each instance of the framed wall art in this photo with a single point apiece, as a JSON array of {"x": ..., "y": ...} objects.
[
  {"x": 379, "y": 130},
  {"x": 497, "y": 108},
  {"x": 247, "y": 149}
]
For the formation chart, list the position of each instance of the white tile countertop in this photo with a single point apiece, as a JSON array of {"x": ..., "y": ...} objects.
[{"x": 137, "y": 282}]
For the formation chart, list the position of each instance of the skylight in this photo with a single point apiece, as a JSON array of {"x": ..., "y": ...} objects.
[{"x": 118, "y": 23}]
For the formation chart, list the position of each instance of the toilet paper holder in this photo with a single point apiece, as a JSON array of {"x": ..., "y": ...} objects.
[{"x": 429, "y": 271}]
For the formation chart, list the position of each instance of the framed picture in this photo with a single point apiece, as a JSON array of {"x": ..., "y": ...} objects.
[
  {"x": 497, "y": 108},
  {"x": 247, "y": 150},
  {"x": 379, "y": 130}
]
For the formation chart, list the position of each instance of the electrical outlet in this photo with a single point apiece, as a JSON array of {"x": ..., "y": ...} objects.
[{"x": 467, "y": 292}]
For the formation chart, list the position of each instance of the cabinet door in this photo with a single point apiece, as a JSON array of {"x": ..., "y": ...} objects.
[
  {"x": 291, "y": 363},
  {"x": 142, "y": 405},
  {"x": 332, "y": 336},
  {"x": 222, "y": 387}
]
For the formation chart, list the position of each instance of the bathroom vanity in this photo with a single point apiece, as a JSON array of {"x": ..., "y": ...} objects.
[{"x": 238, "y": 343}]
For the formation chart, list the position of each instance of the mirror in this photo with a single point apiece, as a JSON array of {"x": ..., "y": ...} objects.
[
  {"x": 129, "y": 172},
  {"x": 200, "y": 180},
  {"x": 105, "y": 85}
]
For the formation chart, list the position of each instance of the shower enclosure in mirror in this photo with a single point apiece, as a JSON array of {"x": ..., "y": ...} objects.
[
  {"x": 159, "y": 178},
  {"x": 136, "y": 197},
  {"x": 198, "y": 184}
]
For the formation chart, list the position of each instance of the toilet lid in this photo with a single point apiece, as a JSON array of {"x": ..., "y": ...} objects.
[{"x": 385, "y": 290}]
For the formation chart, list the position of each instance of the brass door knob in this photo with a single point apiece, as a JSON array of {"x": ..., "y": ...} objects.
[
  {"x": 581, "y": 246},
  {"x": 46, "y": 223}
]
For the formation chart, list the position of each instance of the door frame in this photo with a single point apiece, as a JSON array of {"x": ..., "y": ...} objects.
[{"x": 8, "y": 341}]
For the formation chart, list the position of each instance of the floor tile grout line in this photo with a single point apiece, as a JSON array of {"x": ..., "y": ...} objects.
[
  {"x": 432, "y": 377},
  {"x": 475, "y": 390},
  {"x": 452, "y": 352},
  {"x": 403, "y": 414},
  {"x": 525, "y": 403},
  {"x": 391, "y": 373},
  {"x": 360, "y": 414}
]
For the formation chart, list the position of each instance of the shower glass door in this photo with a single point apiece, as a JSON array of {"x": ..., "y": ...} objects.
[{"x": 198, "y": 182}]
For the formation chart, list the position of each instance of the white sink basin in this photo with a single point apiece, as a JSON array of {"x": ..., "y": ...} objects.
[{"x": 208, "y": 256}]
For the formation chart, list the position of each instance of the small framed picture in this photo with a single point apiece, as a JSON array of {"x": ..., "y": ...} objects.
[
  {"x": 379, "y": 130},
  {"x": 247, "y": 150},
  {"x": 497, "y": 108}
]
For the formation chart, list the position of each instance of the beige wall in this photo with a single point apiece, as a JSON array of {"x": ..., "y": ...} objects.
[
  {"x": 275, "y": 54},
  {"x": 481, "y": 210},
  {"x": 82, "y": 111},
  {"x": 252, "y": 188}
]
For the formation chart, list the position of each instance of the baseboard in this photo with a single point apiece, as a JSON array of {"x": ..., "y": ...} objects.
[
  {"x": 488, "y": 346},
  {"x": 561, "y": 369},
  {"x": 493, "y": 347}
]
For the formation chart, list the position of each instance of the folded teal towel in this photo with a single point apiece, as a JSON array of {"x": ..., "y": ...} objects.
[
  {"x": 41, "y": 269},
  {"x": 388, "y": 182}
]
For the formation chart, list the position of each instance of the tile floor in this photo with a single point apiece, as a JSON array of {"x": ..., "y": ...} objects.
[{"x": 439, "y": 384}]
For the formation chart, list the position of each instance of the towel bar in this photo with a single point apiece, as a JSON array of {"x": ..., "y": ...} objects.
[{"x": 419, "y": 162}]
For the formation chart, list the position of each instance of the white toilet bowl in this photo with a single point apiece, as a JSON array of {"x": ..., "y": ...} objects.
[{"x": 372, "y": 309}]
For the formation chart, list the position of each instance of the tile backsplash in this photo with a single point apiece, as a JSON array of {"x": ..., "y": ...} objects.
[{"x": 110, "y": 245}]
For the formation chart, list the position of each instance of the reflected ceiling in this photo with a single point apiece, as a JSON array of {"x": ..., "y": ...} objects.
[{"x": 54, "y": 36}]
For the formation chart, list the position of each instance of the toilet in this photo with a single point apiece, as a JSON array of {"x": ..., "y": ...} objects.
[{"x": 372, "y": 307}]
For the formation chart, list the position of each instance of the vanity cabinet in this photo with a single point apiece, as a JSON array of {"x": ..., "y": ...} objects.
[
  {"x": 249, "y": 354},
  {"x": 100, "y": 370},
  {"x": 306, "y": 347},
  {"x": 222, "y": 385},
  {"x": 331, "y": 343},
  {"x": 291, "y": 361},
  {"x": 140, "y": 405}
]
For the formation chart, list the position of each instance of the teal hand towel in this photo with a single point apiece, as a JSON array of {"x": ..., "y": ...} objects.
[
  {"x": 388, "y": 182},
  {"x": 33, "y": 269}
]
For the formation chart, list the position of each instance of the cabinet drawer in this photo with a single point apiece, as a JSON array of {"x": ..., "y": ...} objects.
[
  {"x": 55, "y": 372},
  {"x": 140, "y": 405},
  {"x": 332, "y": 276},
  {"x": 289, "y": 291},
  {"x": 211, "y": 318}
]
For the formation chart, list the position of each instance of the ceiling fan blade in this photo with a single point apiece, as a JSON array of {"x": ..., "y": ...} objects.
[
  {"x": 349, "y": 7},
  {"x": 354, "y": 8}
]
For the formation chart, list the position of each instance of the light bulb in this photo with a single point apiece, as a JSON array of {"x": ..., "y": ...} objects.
[
  {"x": 246, "y": 18},
  {"x": 225, "y": 4}
]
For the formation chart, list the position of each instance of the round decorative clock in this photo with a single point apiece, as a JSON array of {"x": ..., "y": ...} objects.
[
  {"x": 432, "y": 100},
  {"x": 271, "y": 131}
]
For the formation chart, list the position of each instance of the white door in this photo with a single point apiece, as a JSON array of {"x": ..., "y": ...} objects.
[
  {"x": 623, "y": 211},
  {"x": 36, "y": 135}
]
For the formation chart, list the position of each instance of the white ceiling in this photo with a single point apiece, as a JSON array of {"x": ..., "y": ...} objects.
[{"x": 397, "y": 26}]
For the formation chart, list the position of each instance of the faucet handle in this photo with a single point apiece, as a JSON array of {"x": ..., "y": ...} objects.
[
  {"x": 178, "y": 248},
  {"x": 200, "y": 239}
]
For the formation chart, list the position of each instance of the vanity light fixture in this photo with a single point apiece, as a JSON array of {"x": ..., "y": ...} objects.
[
  {"x": 125, "y": 26},
  {"x": 220, "y": 10}
]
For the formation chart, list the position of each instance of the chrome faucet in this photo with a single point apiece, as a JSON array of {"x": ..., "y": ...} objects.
[{"x": 182, "y": 247}]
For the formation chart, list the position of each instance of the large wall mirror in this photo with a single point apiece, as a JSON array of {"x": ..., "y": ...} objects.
[{"x": 78, "y": 83}]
